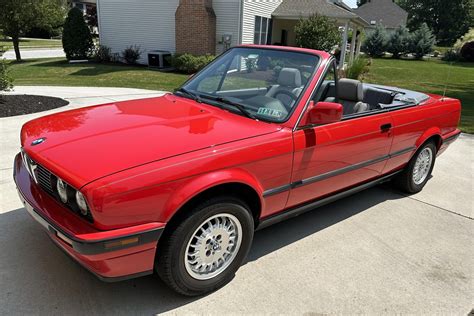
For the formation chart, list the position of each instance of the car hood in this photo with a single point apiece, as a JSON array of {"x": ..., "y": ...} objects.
[{"x": 89, "y": 143}]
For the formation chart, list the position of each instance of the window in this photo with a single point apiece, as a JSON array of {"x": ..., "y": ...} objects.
[
  {"x": 80, "y": 6},
  {"x": 267, "y": 83},
  {"x": 262, "y": 26}
]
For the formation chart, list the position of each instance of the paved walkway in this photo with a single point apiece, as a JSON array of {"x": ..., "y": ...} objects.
[
  {"x": 376, "y": 252},
  {"x": 35, "y": 53}
]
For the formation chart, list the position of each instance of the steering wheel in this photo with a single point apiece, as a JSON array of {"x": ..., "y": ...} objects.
[{"x": 291, "y": 95}]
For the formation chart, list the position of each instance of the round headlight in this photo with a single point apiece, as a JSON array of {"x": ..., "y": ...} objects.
[
  {"x": 61, "y": 186},
  {"x": 81, "y": 202}
]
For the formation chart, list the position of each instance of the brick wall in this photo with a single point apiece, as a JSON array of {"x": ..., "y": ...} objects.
[{"x": 195, "y": 27}]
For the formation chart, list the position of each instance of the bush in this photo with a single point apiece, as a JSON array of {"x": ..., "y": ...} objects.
[
  {"x": 131, "y": 54},
  {"x": 375, "y": 44},
  {"x": 6, "y": 82},
  {"x": 77, "y": 39},
  {"x": 468, "y": 37},
  {"x": 317, "y": 32},
  {"x": 451, "y": 55},
  {"x": 358, "y": 68},
  {"x": 399, "y": 42},
  {"x": 103, "y": 54},
  {"x": 423, "y": 41},
  {"x": 467, "y": 51},
  {"x": 190, "y": 64}
]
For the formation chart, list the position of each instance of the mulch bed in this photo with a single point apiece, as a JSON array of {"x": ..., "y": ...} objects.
[{"x": 11, "y": 105}]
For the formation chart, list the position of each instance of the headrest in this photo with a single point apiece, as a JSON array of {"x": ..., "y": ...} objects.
[
  {"x": 350, "y": 89},
  {"x": 289, "y": 77}
]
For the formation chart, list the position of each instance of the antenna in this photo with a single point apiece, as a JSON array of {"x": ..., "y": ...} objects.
[{"x": 447, "y": 79}]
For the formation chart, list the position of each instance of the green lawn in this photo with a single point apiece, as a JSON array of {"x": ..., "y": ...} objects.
[
  {"x": 424, "y": 76},
  {"x": 57, "y": 72},
  {"x": 430, "y": 77},
  {"x": 32, "y": 43}
]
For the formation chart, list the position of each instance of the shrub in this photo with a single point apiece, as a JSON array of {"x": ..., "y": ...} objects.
[
  {"x": 358, "y": 68},
  {"x": 317, "y": 32},
  {"x": 423, "y": 41},
  {"x": 468, "y": 37},
  {"x": 375, "y": 44},
  {"x": 467, "y": 51},
  {"x": 131, "y": 54},
  {"x": 451, "y": 55},
  {"x": 190, "y": 64},
  {"x": 6, "y": 82},
  {"x": 77, "y": 39},
  {"x": 103, "y": 54},
  {"x": 399, "y": 42}
]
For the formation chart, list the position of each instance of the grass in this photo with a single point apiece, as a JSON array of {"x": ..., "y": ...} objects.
[
  {"x": 431, "y": 76},
  {"x": 58, "y": 72},
  {"x": 425, "y": 76},
  {"x": 32, "y": 43}
]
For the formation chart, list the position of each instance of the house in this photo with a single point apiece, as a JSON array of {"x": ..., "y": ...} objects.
[
  {"x": 211, "y": 26},
  {"x": 382, "y": 12}
]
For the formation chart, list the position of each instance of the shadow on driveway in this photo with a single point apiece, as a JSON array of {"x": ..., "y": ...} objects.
[{"x": 37, "y": 277}]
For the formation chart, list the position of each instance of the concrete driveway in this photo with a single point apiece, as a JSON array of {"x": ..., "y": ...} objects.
[{"x": 376, "y": 252}]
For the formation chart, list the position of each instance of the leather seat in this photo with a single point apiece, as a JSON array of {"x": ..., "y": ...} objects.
[
  {"x": 351, "y": 95},
  {"x": 289, "y": 80}
]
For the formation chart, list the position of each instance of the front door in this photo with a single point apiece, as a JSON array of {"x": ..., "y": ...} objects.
[{"x": 336, "y": 156}]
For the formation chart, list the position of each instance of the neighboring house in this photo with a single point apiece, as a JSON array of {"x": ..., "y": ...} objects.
[
  {"x": 382, "y": 12},
  {"x": 209, "y": 26}
]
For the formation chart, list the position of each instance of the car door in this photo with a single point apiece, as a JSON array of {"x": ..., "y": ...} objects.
[{"x": 336, "y": 156}]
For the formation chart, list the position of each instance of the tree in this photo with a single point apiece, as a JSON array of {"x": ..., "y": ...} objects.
[
  {"x": 317, "y": 32},
  {"x": 448, "y": 19},
  {"x": 19, "y": 16},
  {"x": 77, "y": 38},
  {"x": 375, "y": 44},
  {"x": 399, "y": 42},
  {"x": 422, "y": 41}
]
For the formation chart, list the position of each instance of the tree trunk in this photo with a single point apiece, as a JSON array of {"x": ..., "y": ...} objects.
[{"x": 16, "y": 46}]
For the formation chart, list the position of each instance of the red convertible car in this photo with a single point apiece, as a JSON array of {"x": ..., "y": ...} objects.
[{"x": 178, "y": 184}]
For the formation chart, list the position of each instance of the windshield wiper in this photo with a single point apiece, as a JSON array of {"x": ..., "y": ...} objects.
[
  {"x": 237, "y": 105},
  {"x": 190, "y": 94}
]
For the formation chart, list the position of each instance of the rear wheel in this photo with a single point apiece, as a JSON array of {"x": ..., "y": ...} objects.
[
  {"x": 418, "y": 170},
  {"x": 206, "y": 249}
]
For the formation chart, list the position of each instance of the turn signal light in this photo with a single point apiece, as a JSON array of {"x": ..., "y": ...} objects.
[{"x": 121, "y": 243}]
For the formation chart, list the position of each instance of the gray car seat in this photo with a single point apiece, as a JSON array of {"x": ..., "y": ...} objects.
[
  {"x": 351, "y": 96},
  {"x": 289, "y": 80}
]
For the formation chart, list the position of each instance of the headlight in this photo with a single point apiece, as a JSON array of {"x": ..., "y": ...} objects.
[
  {"x": 61, "y": 186},
  {"x": 81, "y": 202}
]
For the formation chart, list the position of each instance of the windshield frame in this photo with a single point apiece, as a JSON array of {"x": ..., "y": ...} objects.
[{"x": 259, "y": 47}]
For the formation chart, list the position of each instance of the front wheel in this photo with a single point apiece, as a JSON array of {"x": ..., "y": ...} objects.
[
  {"x": 418, "y": 171},
  {"x": 206, "y": 249}
]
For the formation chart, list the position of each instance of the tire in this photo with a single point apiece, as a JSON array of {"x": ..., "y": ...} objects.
[
  {"x": 175, "y": 253},
  {"x": 413, "y": 179}
]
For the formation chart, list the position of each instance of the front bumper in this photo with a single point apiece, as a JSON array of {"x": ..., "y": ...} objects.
[{"x": 111, "y": 255}]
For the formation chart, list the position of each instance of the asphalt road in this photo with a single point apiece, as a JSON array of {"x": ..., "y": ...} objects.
[{"x": 375, "y": 252}]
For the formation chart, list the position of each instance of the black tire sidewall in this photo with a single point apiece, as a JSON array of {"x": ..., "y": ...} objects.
[{"x": 178, "y": 270}]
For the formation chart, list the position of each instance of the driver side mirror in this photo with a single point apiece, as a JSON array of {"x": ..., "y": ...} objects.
[{"x": 323, "y": 113}]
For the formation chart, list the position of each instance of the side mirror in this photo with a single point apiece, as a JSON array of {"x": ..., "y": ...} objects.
[{"x": 323, "y": 113}]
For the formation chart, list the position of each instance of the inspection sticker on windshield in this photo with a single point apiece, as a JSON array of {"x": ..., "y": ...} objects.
[{"x": 270, "y": 112}]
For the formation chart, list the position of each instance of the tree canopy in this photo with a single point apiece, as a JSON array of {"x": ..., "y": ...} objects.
[
  {"x": 317, "y": 32},
  {"x": 19, "y": 16},
  {"x": 448, "y": 20}
]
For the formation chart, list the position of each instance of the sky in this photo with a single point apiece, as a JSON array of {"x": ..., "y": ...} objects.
[{"x": 351, "y": 3}]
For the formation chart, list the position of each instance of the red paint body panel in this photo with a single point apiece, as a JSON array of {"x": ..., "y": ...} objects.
[{"x": 138, "y": 162}]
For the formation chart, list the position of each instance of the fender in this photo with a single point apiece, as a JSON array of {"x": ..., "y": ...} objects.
[
  {"x": 196, "y": 185},
  {"x": 432, "y": 131}
]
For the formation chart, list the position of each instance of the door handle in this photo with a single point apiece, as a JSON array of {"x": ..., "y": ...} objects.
[{"x": 386, "y": 127}]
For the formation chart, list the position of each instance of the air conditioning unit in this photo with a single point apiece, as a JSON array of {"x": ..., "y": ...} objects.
[{"x": 160, "y": 59}]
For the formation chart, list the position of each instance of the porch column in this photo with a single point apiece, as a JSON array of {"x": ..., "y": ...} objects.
[
  {"x": 353, "y": 44},
  {"x": 344, "y": 46}
]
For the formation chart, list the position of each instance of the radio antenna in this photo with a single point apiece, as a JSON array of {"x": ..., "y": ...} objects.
[{"x": 447, "y": 79}]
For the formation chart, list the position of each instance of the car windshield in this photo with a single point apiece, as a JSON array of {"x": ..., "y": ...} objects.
[{"x": 263, "y": 84}]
